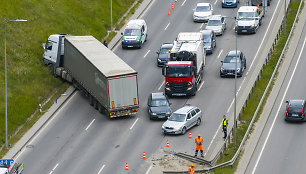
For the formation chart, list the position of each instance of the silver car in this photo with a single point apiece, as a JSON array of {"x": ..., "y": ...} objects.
[
  {"x": 202, "y": 12},
  {"x": 217, "y": 24},
  {"x": 182, "y": 120}
]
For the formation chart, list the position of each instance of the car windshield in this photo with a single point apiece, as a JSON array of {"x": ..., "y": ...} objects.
[
  {"x": 214, "y": 23},
  {"x": 132, "y": 32},
  {"x": 207, "y": 38},
  {"x": 245, "y": 15},
  {"x": 231, "y": 59},
  {"x": 164, "y": 51},
  {"x": 159, "y": 102},
  {"x": 177, "y": 117},
  {"x": 178, "y": 71},
  {"x": 202, "y": 8}
]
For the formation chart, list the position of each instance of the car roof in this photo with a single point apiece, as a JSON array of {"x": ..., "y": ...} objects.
[
  {"x": 204, "y": 32},
  {"x": 158, "y": 95},
  {"x": 233, "y": 53},
  {"x": 167, "y": 45},
  {"x": 202, "y": 4},
  {"x": 184, "y": 110},
  {"x": 215, "y": 17},
  {"x": 296, "y": 102}
]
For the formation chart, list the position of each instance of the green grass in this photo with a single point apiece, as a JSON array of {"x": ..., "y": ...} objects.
[
  {"x": 29, "y": 81},
  {"x": 247, "y": 114}
]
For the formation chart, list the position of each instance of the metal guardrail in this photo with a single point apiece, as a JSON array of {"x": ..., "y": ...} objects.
[{"x": 232, "y": 161}]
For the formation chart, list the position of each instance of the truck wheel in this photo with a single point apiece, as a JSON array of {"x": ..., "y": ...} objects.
[
  {"x": 51, "y": 69},
  {"x": 100, "y": 108}
]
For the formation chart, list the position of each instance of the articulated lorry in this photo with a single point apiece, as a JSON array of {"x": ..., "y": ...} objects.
[
  {"x": 184, "y": 72},
  {"x": 109, "y": 83}
]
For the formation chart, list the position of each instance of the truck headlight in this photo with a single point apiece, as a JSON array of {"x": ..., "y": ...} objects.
[
  {"x": 168, "y": 89},
  {"x": 190, "y": 88}
]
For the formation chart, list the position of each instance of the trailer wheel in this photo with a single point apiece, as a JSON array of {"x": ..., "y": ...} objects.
[
  {"x": 91, "y": 100},
  {"x": 100, "y": 108},
  {"x": 95, "y": 104}
]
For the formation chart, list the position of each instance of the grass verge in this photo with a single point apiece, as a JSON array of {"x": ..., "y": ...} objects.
[{"x": 247, "y": 114}]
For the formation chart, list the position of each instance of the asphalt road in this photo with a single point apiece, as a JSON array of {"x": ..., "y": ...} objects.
[
  {"x": 281, "y": 146},
  {"x": 78, "y": 139}
]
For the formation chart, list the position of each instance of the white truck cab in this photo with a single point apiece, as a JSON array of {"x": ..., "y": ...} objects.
[
  {"x": 134, "y": 34},
  {"x": 3, "y": 170},
  {"x": 248, "y": 19}
]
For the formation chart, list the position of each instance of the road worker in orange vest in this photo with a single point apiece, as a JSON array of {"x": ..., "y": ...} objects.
[
  {"x": 199, "y": 145},
  {"x": 191, "y": 169}
]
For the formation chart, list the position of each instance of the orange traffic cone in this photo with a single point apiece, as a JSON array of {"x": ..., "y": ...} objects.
[
  {"x": 175, "y": 1},
  {"x": 126, "y": 166},
  {"x": 190, "y": 136},
  {"x": 168, "y": 145},
  {"x": 169, "y": 12},
  {"x": 172, "y": 7},
  {"x": 144, "y": 155}
]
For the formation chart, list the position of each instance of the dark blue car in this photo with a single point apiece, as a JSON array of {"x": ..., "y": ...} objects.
[
  {"x": 163, "y": 54},
  {"x": 230, "y": 3}
]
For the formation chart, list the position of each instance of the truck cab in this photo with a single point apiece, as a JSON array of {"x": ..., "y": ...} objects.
[
  {"x": 134, "y": 34},
  {"x": 248, "y": 19}
]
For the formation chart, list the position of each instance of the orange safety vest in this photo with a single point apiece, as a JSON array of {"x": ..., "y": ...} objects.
[
  {"x": 199, "y": 141},
  {"x": 191, "y": 170}
]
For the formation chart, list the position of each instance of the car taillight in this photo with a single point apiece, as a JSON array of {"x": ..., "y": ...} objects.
[
  {"x": 167, "y": 84},
  {"x": 287, "y": 111},
  {"x": 189, "y": 83},
  {"x": 303, "y": 112},
  {"x": 135, "y": 110}
]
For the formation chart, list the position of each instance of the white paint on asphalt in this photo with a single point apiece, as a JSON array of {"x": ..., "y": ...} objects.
[
  {"x": 90, "y": 124},
  {"x": 201, "y": 85},
  {"x": 167, "y": 26},
  {"x": 241, "y": 85},
  {"x": 259, "y": 48},
  {"x": 149, "y": 169},
  {"x": 212, "y": 140},
  {"x": 134, "y": 124},
  {"x": 101, "y": 169},
  {"x": 54, "y": 168},
  {"x": 230, "y": 106},
  {"x": 216, "y": 2},
  {"x": 146, "y": 54},
  {"x": 201, "y": 25},
  {"x": 183, "y": 2},
  {"x": 220, "y": 53},
  {"x": 161, "y": 85},
  {"x": 35, "y": 136},
  {"x": 271, "y": 127}
]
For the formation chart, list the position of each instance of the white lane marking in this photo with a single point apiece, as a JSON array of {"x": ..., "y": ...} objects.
[
  {"x": 201, "y": 25},
  {"x": 38, "y": 133},
  {"x": 134, "y": 124},
  {"x": 54, "y": 168},
  {"x": 267, "y": 137},
  {"x": 149, "y": 169},
  {"x": 216, "y": 2},
  {"x": 167, "y": 26},
  {"x": 220, "y": 53},
  {"x": 161, "y": 85},
  {"x": 183, "y": 3},
  {"x": 101, "y": 169},
  {"x": 212, "y": 140},
  {"x": 146, "y": 54},
  {"x": 240, "y": 85},
  {"x": 263, "y": 38},
  {"x": 230, "y": 106},
  {"x": 90, "y": 124},
  {"x": 201, "y": 85}
]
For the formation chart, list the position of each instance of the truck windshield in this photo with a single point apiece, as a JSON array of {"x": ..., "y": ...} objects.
[
  {"x": 246, "y": 15},
  {"x": 178, "y": 71},
  {"x": 132, "y": 32}
]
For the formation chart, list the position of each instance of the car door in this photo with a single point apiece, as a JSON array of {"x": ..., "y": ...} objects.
[
  {"x": 193, "y": 117},
  {"x": 188, "y": 123},
  {"x": 143, "y": 37},
  {"x": 223, "y": 23}
]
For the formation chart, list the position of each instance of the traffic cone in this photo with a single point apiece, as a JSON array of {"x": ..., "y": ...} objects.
[
  {"x": 172, "y": 7},
  {"x": 168, "y": 145},
  {"x": 169, "y": 12},
  {"x": 190, "y": 136},
  {"x": 126, "y": 166},
  {"x": 144, "y": 155},
  {"x": 175, "y": 1}
]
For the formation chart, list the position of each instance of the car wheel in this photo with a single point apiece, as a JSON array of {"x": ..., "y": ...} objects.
[
  {"x": 146, "y": 37},
  {"x": 268, "y": 3},
  {"x": 183, "y": 130},
  {"x": 198, "y": 122},
  {"x": 140, "y": 45}
]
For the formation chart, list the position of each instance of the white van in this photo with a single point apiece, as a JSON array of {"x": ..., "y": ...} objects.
[
  {"x": 134, "y": 34},
  {"x": 3, "y": 170},
  {"x": 248, "y": 19}
]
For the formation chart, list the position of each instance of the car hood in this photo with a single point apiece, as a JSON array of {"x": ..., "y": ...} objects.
[
  {"x": 173, "y": 124},
  {"x": 215, "y": 28},
  {"x": 130, "y": 37},
  {"x": 207, "y": 13},
  {"x": 163, "y": 56},
  {"x": 160, "y": 109},
  {"x": 230, "y": 66},
  {"x": 206, "y": 44},
  {"x": 245, "y": 22}
]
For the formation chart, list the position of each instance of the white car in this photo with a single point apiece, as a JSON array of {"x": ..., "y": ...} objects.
[
  {"x": 202, "y": 12},
  {"x": 217, "y": 24}
]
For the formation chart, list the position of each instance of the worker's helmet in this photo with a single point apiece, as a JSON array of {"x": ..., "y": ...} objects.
[
  {"x": 199, "y": 135},
  {"x": 191, "y": 165}
]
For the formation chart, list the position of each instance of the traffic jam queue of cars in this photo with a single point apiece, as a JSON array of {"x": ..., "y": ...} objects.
[{"x": 183, "y": 62}]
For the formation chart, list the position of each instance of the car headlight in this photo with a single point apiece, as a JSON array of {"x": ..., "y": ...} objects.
[
  {"x": 238, "y": 69},
  {"x": 153, "y": 113},
  {"x": 221, "y": 69},
  {"x": 163, "y": 127},
  {"x": 209, "y": 46},
  {"x": 253, "y": 25},
  {"x": 234, "y": 1},
  {"x": 158, "y": 60},
  {"x": 168, "y": 113}
]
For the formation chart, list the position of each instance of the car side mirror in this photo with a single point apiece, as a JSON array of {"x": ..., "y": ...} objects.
[
  {"x": 121, "y": 33},
  {"x": 157, "y": 52},
  {"x": 221, "y": 61},
  {"x": 235, "y": 18},
  {"x": 287, "y": 101},
  {"x": 170, "y": 104}
]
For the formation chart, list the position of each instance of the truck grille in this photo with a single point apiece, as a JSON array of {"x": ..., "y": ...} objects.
[{"x": 178, "y": 87}]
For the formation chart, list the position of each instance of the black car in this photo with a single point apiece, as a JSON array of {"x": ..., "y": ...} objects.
[
  {"x": 159, "y": 106},
  {"x": 229, "y": 63},
  {"x": 295, "y": 110},
  {"x": 163, "y": 54},
  {"x": 260, "y": 2},
  {"x": 209, "y": 37}
]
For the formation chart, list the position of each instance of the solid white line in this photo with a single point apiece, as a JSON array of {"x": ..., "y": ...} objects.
[
  {"x": 230, "y": 106},
  {"x": 267, "y": 137},
  {"x": 220, "y": 53},
  {"x": 263, "y": 38},
  {"x": 216, "y": 2},
  {"x": 149, "y": 169},
  {"x": 134, "y": 124},
  {"x": 101, "y": 169},
  {"x": 183, "y": 3},
  {"x": 201, "y": 85},
  {"x": 54, "y": 168},
  {"x": 38, "y": 133},
  {"x": 146, "y": 54},
  {"x": 201, "y": 25},
  {"x": 90, "y": 124},
  {"x": 240, "y": 85},
  {"x": 161, "y": 85},
  {"x": 212, "y": 139},
  {"x": 167, "y": 26}
]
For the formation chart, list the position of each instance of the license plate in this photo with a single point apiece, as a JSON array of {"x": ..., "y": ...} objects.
[
  {"x": 295, "y": 115},
  {"x": 244, "y": 31}
]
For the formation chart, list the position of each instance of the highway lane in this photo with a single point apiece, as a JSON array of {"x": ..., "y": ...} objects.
[
  {"x": 281, "y": 146},
  {"x": 109, "y": 144}
]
